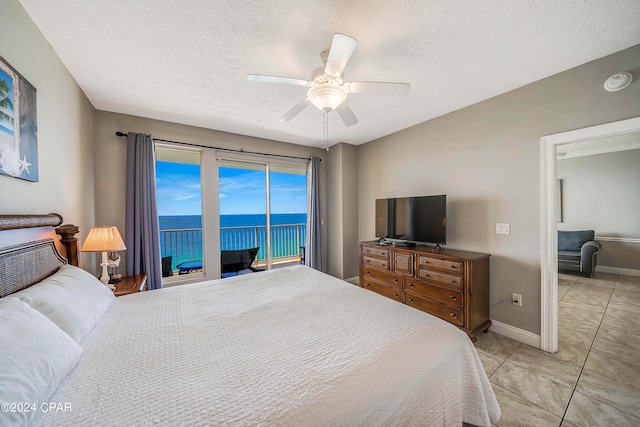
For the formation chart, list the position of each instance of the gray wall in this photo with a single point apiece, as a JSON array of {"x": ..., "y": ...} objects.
[
  {"x": 600, "y": 193},
  {"x": 486, "y": 158},
  {"x": 350, "y": 211},
  {"x": 111, "y": 155},
  {"x": 335, "y": 237},
  {"x": 342, "y": 202},
  {"x": 65, "y": 128}
]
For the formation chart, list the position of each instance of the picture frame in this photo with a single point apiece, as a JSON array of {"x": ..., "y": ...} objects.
[{"x": 18, "y": 125}]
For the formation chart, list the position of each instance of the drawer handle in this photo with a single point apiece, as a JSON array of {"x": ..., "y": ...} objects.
[
  {"x": 368, "y": 285},
  {"x": 453, "y": 297},
  {"x": 426, "y": 262},
  {"x": 411, "y": 300},
  {"x": 426, "y": 275},
  {"x": 395, "y": 279},
  {"x": 367, "y": 272},
  {"x": 453, "y": 315},
  {"x": 411, "y": 285},
  {"x": 454, "y": 266},
  {"x": 453, "y": 281},
  {"x": 395, "y": 294}
]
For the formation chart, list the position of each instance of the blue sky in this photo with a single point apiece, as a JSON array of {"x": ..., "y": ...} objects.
[
  {"x": 241, "y": 191},
  {"x": 178, "y": 189}
]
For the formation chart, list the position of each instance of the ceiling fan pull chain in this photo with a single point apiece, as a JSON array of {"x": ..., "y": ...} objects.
[{"x": 326, "y": 128}]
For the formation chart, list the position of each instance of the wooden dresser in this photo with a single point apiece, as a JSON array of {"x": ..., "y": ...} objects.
[{"x": 452, "y": 285}]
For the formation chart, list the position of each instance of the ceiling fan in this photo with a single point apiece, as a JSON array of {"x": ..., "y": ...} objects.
[{"x": 328, "y": 89}]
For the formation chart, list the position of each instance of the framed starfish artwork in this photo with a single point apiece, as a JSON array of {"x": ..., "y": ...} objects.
[{"x": 18, "y": 125}]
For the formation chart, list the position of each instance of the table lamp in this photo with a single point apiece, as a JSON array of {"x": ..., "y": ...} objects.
[{"x": 104, "y": 239}]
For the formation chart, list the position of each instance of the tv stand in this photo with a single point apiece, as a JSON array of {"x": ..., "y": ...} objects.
[{"x": 453, "y": 286}]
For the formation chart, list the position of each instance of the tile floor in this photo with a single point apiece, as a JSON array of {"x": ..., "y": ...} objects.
[{"x": 594, "y": 378}]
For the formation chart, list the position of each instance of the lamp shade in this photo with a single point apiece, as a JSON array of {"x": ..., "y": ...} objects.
[{"x": 103, "y": 239}]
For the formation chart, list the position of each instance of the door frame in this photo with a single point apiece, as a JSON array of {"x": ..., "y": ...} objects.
[{"x": 548, "y": 223}]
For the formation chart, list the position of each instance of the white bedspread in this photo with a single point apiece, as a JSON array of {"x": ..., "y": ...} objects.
[{"x": 288, "y": 347}]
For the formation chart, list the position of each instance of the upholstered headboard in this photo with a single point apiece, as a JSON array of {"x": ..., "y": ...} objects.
[{"x": 29, "y": 249}]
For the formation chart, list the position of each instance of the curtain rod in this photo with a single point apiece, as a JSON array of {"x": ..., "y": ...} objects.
[{"x": 122, "y": 134}]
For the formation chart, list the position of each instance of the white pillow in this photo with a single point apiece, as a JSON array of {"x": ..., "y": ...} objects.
[
  {"x": 71, "y": 298},
  {"x": 35, "y": 357}
]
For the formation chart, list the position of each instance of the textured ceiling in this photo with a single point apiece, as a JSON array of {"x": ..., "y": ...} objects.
[{"x": 186, "y": 61}]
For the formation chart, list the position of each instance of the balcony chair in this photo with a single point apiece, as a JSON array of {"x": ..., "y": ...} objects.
[
  {"x": 166, "y": 266},
  {"x": 578, "y": 251},
  {"x": 237, "y": 260}
]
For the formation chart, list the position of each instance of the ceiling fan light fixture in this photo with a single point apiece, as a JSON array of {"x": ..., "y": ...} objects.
[
  {"x": 328, "y": 89},
  {"x": 327, "y": 96}
]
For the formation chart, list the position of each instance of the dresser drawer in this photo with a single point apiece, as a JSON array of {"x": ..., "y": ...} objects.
[
  {"x": 447, "y": 296},
  {"x": 368, "y": 261},
  {"x": 377, "y": 252},
  {"x": 445, "y": 312},
  {"x": 382, "y": 276},
  {"x": 446, "y": 279},
  {"x": 385, "y": 290},
  {"x": 442, "y": 264}
]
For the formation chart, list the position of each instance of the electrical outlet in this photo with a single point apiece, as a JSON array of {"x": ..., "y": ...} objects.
[{"x": 516, "y": 299}]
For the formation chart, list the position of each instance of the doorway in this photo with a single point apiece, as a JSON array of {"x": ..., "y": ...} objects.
[{"x": 548, "y": 215}]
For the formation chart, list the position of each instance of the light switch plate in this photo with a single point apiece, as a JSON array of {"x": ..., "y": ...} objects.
[{"x": 503, "y": 228}]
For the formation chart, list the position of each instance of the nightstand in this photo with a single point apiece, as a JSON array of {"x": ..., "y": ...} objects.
[{"x": 130, "y": 285}]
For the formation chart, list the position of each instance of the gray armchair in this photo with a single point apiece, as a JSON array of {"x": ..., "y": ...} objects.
[{"x": 578, "y": 251}]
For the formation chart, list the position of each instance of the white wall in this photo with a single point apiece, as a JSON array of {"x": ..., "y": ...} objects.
[
  {"x": 65, "y": 128},
  {"x": 600, "y": 193},
  {"x": 486, "y": 159}
]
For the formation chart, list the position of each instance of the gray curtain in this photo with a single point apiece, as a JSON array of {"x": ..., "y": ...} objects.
[
  {"x": 142, "y": 235},
  {"x": 313, "y": 246}
]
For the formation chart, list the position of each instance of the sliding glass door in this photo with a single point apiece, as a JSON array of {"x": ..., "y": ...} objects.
[
  {"x": 179, "y": 193},
  {"x": 263, "y": 206},
  {"x": 288, "y": 213}
]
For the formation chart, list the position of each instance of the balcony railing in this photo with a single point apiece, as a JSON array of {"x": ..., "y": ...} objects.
[{"x": 186, "y": 244}]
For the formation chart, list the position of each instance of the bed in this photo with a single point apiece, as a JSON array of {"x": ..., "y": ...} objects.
[{"x": 289, "y": 346}]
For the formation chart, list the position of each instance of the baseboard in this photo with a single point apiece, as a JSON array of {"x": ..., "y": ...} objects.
[
  {"x": 353, "y": 280},
  {"x": 514, "y": 333},
  {"x": 617, "y": 270}
]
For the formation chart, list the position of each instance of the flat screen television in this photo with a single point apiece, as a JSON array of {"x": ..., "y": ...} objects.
[{"x": 412, "y": 219}]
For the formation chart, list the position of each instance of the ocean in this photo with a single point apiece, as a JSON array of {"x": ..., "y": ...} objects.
[
  {"x": 181, "y": 222},
  {"x": 181, "y": 236}
]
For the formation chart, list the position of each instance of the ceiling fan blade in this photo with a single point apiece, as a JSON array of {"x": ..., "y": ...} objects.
[
  {"x": 295, "y": 110},
  {"x": 380, "y": 88},
  {"x": 341, "y": 49},
  {"x": 346, "y": 114},
  {"x": 276, "y": 79}
]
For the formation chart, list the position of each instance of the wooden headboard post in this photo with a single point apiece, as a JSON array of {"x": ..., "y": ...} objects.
[{"x": 67, "y": 233}]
